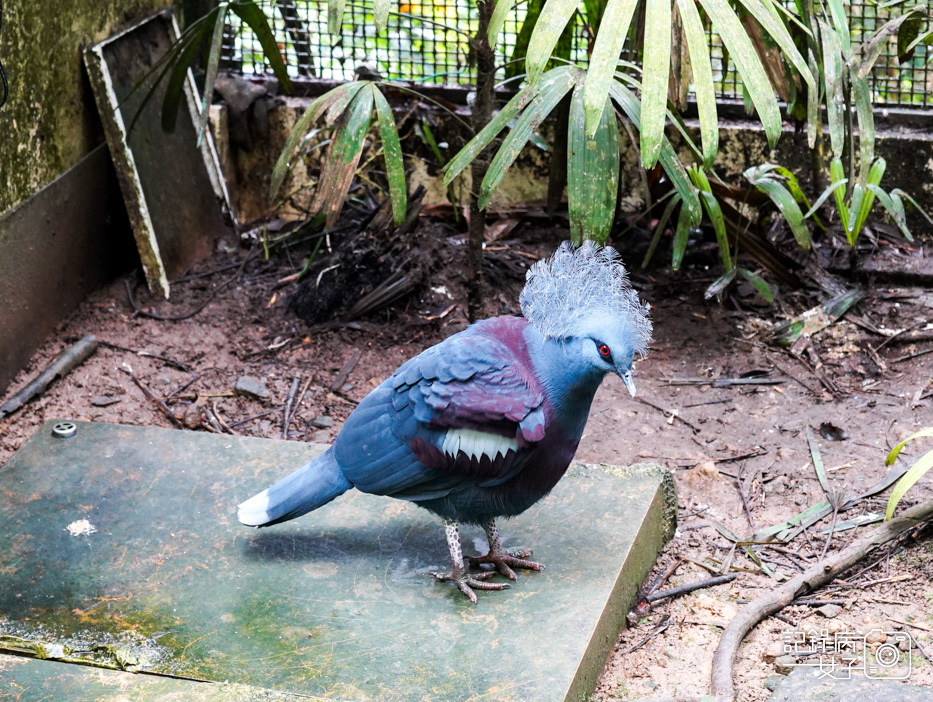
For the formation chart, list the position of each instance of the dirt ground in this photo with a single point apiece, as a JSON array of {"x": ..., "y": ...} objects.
[{"x": 739, "y": 453}]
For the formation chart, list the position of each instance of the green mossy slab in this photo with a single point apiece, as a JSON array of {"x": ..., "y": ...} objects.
[{"x": 338, "y": 603}]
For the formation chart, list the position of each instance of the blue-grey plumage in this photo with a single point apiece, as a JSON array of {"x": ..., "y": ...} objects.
[{"x": 485, "y": 423}]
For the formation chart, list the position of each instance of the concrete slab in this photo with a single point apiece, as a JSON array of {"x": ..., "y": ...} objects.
[
  {"x": 119, "y": 547},
  {"x": 30, "y": 680}
]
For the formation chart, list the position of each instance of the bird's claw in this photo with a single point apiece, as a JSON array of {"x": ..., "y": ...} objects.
[
  {"x": 516, "y": 558},
  {"x": 465, "y": 582}
]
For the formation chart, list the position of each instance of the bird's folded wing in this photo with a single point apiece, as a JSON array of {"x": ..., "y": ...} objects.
[{"x": 462, "y": 413}]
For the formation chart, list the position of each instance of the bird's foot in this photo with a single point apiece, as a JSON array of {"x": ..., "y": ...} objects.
[
  {"x": 465, "y": 582},
  {"x": 502, "y": 559}
]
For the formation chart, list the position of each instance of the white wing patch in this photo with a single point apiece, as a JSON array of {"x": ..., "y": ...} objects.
[{"x": 477, "y": 444}]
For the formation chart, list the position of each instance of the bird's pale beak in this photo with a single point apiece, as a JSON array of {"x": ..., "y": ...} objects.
[{"x": 629, "y": 382}]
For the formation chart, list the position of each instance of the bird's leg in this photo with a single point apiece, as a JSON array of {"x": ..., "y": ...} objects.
[
  {"x": 501, "y": 558},
  {"x": 465, "y": 581}
]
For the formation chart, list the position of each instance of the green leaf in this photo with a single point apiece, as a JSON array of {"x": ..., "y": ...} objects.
[
  {"x": 381, "y": 16},
  {"x": 684, "y": 224},
  {"x": 592, "y": 173},
  {"x": 254, "y": 17},
  {"x": 497, "y": 21},
  {"x": 841, "y": 22},
  {"x": 830, "y": 190},
  {"x": 837, "y": 174},
  {"x": 335, "y": 15},
  {"x": 550, "y": 25},
  {"x": 817, "y": 459},
  {"x": 655, "y": 79},
  {"x": 781, "y": 37},
  {"x": 659, "y": 230},
  {"x": 872, "y": 49},
  {"x": 342, "y": 93},
  {"x": 861, "y": 96},
  {"x": 814, "y": 113},
  {"x": 786, "y": 204},
  {"x": 748, "y": 65},
  {"x": 713, "y": 211},
  {"x": 917, "y": 471},
  {"x": 832, "y": 77},
  {"x": 855, "y": 208},
  {"x": 703, "y": 85},
  {"x": 875, "y": 174},
  {"x": 895, "y": 207},
  {"x": 916, "y": 205},
  {"x": 895, "y": 452},
  {"x": 908, "y": 38},
  {"x": 759, "y": 284},
  {"x": 606, "y": 50},
  {"x": 343, "y": 156},
  {"x": 476, "y": 145},
  {"x": 213, "y": 66},
  {"x": 392, "y": 151},
  {"x": 550, "y": 91},
  {"x": 721, "y": 283},
  {"x": 671, "y": 164}
]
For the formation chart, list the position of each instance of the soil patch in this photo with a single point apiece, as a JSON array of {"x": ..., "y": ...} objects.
[{"x": 739, "y": 451}]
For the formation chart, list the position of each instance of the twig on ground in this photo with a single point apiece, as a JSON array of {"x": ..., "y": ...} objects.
[
  {"x": 685, "y": 589},
  {"x": 64, "y": 363},
  {"x": 159, "y": 403},
  {"x": 908, "y": 357},
  {"x": 240, "y": 422},
  {"x": 664, "y": 623},
  {"x": 220, "y": 420},
  {"x": 671, "y": 413},
  {"x": 663, "y": 577},
  {"x": 348, "y": 367},
  {"x": 810, "y": 580},
  {"x": 287, "y": 417},
  {"x": 165, "y": 359}
]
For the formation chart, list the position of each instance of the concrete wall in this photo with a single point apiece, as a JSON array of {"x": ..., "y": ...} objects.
[
  {"x": 61, "y": 215},
  {"x": 50, "y": 122}
]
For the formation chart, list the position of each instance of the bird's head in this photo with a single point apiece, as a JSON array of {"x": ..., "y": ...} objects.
[{"x": 582, "y": 298}]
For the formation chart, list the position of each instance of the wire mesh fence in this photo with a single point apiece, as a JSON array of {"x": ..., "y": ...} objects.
[{"x": 428, "y": 41}]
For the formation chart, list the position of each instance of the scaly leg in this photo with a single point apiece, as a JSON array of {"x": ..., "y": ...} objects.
[
  {"x": 501, "y": 558},
  {"x": 465, "y": 581}
]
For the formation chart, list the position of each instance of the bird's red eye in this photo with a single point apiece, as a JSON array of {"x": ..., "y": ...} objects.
[{"x": 604, "y": 351}]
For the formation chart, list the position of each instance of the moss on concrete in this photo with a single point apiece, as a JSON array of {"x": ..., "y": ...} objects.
[{"x": 50, "y": 122}]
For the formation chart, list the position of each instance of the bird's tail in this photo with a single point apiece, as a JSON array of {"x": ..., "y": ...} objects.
[{"x": 308, "y": 488}]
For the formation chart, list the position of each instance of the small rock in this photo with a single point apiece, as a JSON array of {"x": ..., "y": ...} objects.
[
  {"x": 651, "y": 685},
  {"x": 347, "y": 387},
  {"x": 834, "y": 626},
  {"x": 253, "y": 387},
  {"x": 876, "y": 635},
  {"x": 784, "y": 664},
  {"x": 829, "y": 611},
  {"x": 320, "y": 437},
  {"x": 904, "y": 644},
  {"x": 104, "y": 400},
  {"x": 322, "y": 422},
  {"x": 774, "y": 651},
  {"x": 772, "y": 681}
]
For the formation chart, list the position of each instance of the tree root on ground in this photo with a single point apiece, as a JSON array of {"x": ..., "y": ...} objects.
[{"x": 811, "y": 579}]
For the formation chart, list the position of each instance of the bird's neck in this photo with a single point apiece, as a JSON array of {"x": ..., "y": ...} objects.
[{"x": 569, "y": 387}]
